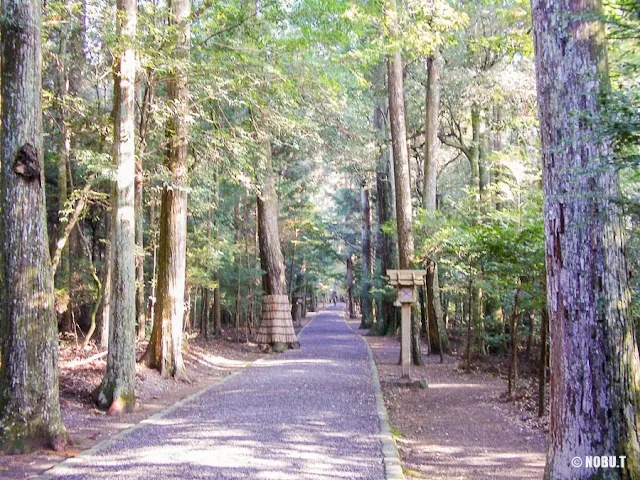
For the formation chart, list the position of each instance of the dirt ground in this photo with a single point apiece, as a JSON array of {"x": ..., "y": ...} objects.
[
  {"x": 461, "y": 426},
  {"x": 207, "y": 361}
]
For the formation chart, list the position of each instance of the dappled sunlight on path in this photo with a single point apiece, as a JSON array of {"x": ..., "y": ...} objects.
[{"x": 306, "y": 414}]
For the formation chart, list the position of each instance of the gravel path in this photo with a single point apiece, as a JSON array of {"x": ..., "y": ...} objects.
[{"x": 307, "y": 414}]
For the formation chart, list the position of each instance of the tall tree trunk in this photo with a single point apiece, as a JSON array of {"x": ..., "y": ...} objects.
[
  {"x": 401, "y": 173},
  {"x": 437, "y": 333},
  {"x": 29, "y": 393},
  {"x": 62, "y": 278},
  {"x": 350, "y": 305},
  {"x": 164, "y": 351},
  {"x": 141, "y": 316},
  {"x": 429, "y": 189},
  {"x": 116, "y": 393},
  {"x": 530, "y": 323},
  {"x": 217, "y": 312},
  {"x": 474, "y": 154},
  {"x": 365, "y": 285},
  {"x": 276, "y": 327},
  {"x": 513, "y": 333},
  {"x": 106, "y": 286},
  {"x": 204, "y": 314},
  {"x": 469, "y": 315},
  {"x": 386, "y": 311},
  {"x": 217, "y": 309},
  {"x": 595, "y": 379}
]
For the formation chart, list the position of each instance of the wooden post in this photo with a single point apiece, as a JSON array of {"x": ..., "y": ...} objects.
[
  {"x": 406, "y": 282},
  {"x": 406, "y": 340}
]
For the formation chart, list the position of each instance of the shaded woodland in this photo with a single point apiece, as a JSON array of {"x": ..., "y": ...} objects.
[{"x": 173, "y": 168}]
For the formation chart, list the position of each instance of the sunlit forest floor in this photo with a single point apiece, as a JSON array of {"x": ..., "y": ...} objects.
[{"x": 461, "y": 426}]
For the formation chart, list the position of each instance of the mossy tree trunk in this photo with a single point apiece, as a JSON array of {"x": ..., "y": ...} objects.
[
  {"x": 117, "y": 390},
  {"x": 595, "y": 369},
  {"x": 29, "y": 392},
  {"x": 164, "y": 351}
]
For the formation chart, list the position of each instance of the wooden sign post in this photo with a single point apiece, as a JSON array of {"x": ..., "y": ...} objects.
[{"x": 406, "y": 282}]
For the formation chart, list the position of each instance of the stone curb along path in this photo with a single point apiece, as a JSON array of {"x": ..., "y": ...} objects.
[
  {"x": 392, "y": 464},
  {"x": 314, "y": 413}
]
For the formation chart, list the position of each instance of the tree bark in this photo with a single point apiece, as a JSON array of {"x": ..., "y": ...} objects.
[
  {"x": 366, "y": 301},
  {"x": 542, "y": 368},
  {"x": 29, "y": 392},
  {"x": 276, "y": 327},
  {"x": 139, "y": 213},
  {"x": 437, "y": 334},
  {"x": 164, "y": 351},
  {"x": 117, "y": 390},
  {"x": 474, "y": 153},
  {"x": 595, "y": 369},
  {"x": 386, "y": 247},
  {"x": 217, "y": 312},
  {"x": 401, "y": 173},
  {"x": 106, "y": 286},
  {"x": 350, "y": 305},
  {"x": 429, "y": 188},
  {"x": 62, "y": 275},
  {"x": 513, "y": 333}
]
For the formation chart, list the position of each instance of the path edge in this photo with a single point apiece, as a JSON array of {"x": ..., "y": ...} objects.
[
  {"x": 59, "y": 468},
  {"x": 391, "y": 457}
]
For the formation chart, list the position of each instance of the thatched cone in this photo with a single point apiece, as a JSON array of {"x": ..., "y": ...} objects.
[{"x": 276, "y": 326}]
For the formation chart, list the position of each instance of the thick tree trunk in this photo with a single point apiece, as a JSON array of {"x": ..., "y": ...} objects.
[
  {"x": 276, "y": 326},
  {"x": 365, "y": 285},
  {"x": 401, "y": 173},
  {"x": 164, "y": 351},
  {"x": 595, "y": 370},
  {"x": 117, "y": 390},
  {"x": 29, "y": 393}
]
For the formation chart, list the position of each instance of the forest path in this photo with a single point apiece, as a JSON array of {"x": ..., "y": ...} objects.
[{"x": 307, "y": 414}]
